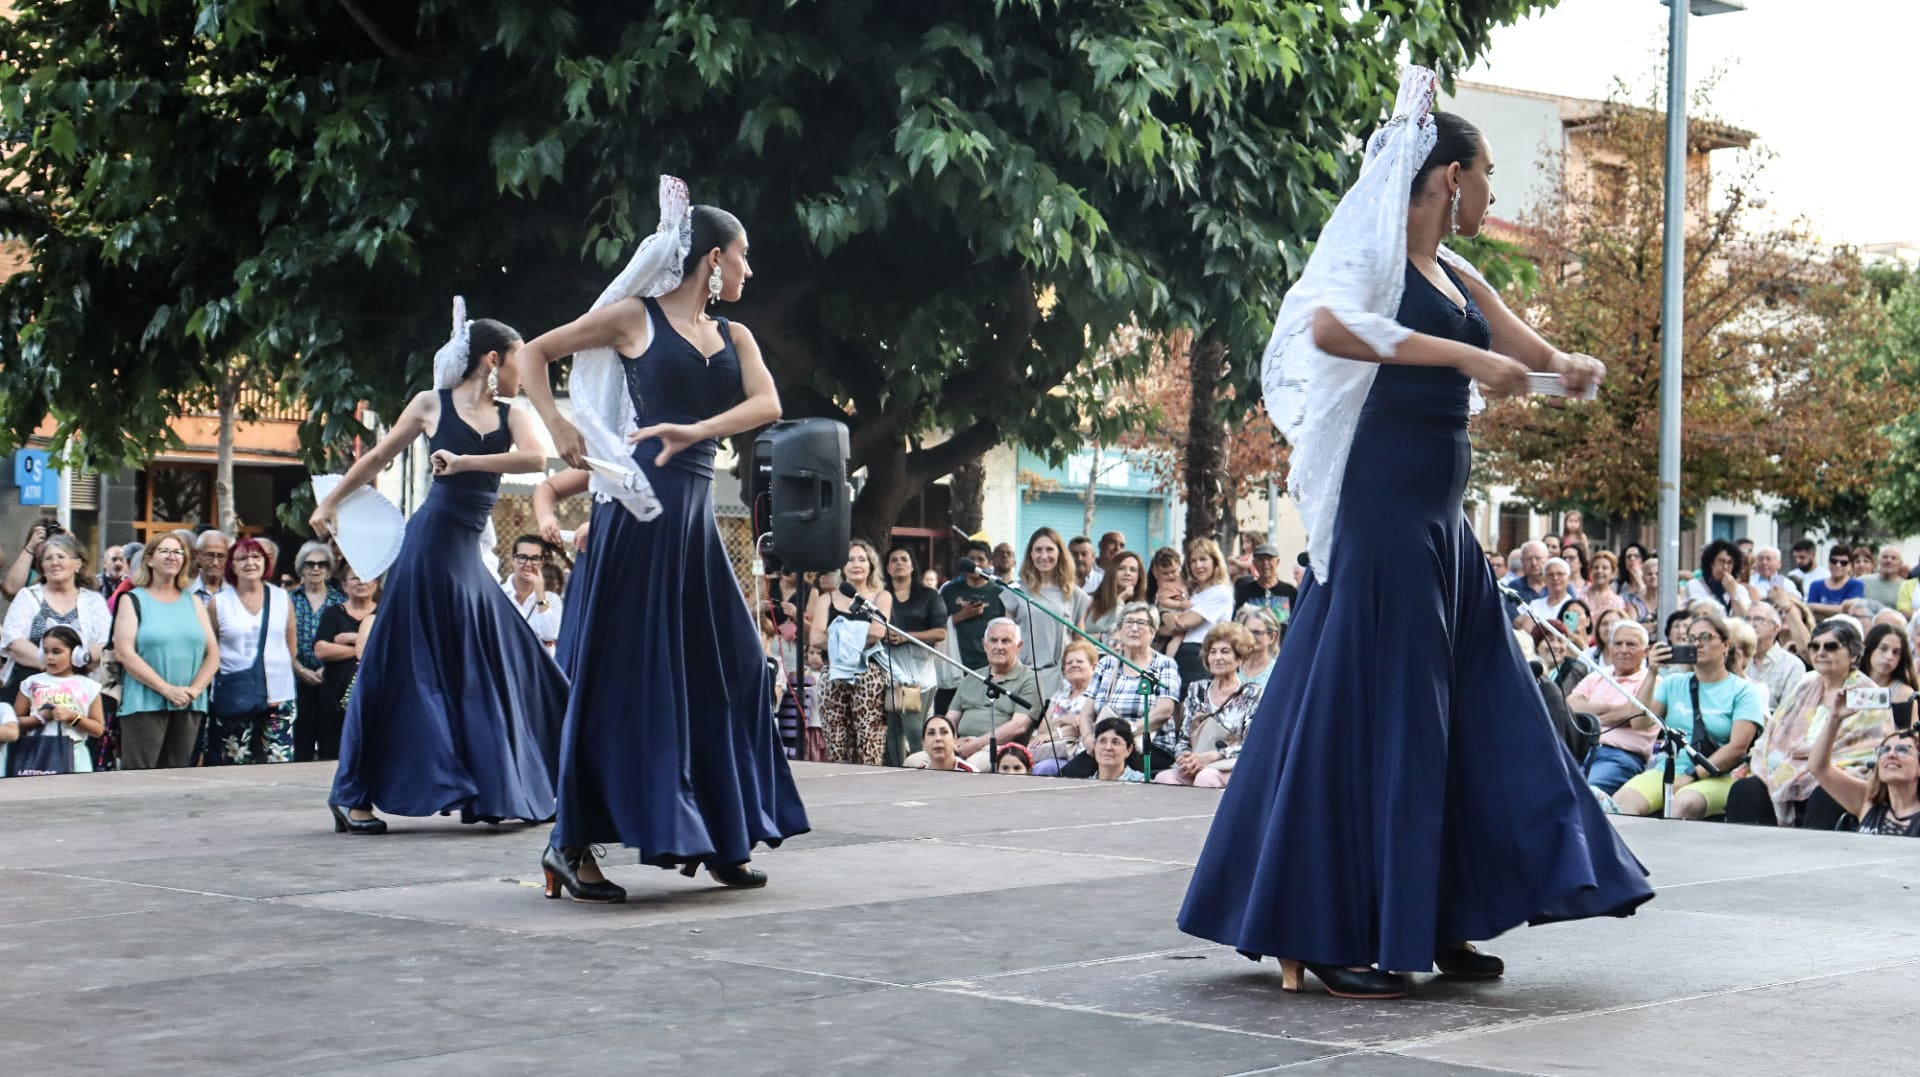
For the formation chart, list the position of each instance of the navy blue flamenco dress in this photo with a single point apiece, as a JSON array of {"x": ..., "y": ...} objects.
[
  {"x": 1401, "y": 787},
  {"x": 670, "y": 745},
  {"x": 457, "y": 705}
]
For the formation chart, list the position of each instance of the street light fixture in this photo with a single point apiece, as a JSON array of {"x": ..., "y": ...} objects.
[{"x": 1672, "y": 289}]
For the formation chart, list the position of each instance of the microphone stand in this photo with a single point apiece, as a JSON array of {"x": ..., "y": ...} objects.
[
  {"x": 1146, "y": 681},
  {"x": 994, "y": 689},
  {"x": 1670, "y": 740}
]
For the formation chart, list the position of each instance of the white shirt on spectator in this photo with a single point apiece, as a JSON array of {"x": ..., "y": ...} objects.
[
  {"x": 1762, "y": 585},
  {"x": 1216, "y": 605},
  {"x": 1094, "y": 576},
  {"x": 240, "y": 641},
  {"x": 1697, "y": 590},
  {"x": 545, "y": 625},
  {"x": 1548, "y": 610},
  {"x": 94, "y": 624},
  {"x": 1778, "y": 669}
]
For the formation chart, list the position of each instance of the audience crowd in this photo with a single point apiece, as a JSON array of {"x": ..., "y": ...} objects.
[{"x": 1784, "y": 688}]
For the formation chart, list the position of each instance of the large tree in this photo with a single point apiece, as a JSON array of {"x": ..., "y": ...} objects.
[
  {"x": 950, "y": 204},
  {"x": 1778, "y": 398}
]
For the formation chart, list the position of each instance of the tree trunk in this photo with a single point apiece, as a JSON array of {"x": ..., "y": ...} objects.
[
  {"x": 1086, "y": 496},
  {"x": 969, "y": 509},
  {"x": 887, "y": 491},
  {"x": 228, "y": 398},
  {"x": 1206, "y": 440}
]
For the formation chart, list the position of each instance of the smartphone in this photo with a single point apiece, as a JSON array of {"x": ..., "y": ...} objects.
[
  {"x": 1866, "y": 699},
  {"x": 1684, "y": 654}
]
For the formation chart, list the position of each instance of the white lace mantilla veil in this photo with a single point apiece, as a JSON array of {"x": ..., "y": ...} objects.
[
  {"x": 1357, "y": 272},
  {"x": 602, "y": 408}
]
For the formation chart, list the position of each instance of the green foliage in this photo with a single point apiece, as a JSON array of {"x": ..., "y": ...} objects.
[
  {"x": 1507, "y": 266},
  {"x": 951, "y": 205},
  {"x": 1896, "y": 494}
]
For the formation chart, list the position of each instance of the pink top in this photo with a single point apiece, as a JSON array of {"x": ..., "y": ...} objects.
[{"x": 1598, "y": 692}]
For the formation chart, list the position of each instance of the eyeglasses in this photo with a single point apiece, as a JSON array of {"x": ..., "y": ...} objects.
[
  {"x": 1839, "y": 561},
  {"x": 1136, "y": 622},
  {"x": 1704, "y": 638},
  {"x": 1825, "y": 646},
  {"x": 320, "y": 565},
  {"x": 1901, "y": 748},
  {"x": 168, "y": 553},
  {"x": 528, "y": 558}
]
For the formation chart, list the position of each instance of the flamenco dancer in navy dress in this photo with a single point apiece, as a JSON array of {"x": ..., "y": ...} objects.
[
  {"x": 670, "y": 744},
  {"x": 457, "y": 705},
  {"x": 1401, "y": 791}
]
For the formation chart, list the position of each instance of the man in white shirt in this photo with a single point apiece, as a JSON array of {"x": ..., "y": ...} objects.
[
  {"x": 210, "y": 562},
  {"x": 1085, "y": 569},
  {"x": 1772, "y": 665},
  {"x": 1806, "y": 566},
  {"x": 1767, "y": 575},
  {"x": 527, "y": 587}
]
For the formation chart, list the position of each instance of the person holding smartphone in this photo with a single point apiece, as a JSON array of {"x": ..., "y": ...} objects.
[
  {"x": 1727, "y": 705},
  {"x": 1782, "y": 790}
]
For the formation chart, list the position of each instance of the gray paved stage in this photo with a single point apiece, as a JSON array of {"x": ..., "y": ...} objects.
[{"x": 211, "y": 922}]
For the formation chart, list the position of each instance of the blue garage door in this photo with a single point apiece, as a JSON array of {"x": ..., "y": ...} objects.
[{"x": 1066, "y": 514}]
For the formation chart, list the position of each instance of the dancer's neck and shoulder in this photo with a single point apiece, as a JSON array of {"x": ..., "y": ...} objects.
[
  {"x": 715, "y": 268},
  {"x": 473, "y": 400},
  {"x": 1452, "y": 193}
]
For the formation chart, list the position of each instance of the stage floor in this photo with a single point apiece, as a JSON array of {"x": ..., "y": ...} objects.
[{"x": 211, "y": 922}]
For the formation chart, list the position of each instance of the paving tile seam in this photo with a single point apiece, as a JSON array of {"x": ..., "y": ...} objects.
[
  {"x": 962, "y": 981},
  {"x": 1369, "y": 1053},
  {"x": 1109, "y": 822},
  {"x": 1143, "y": 1018},
  {"x": 105, "y": 915},
  {"x": 128, "y": 882},
  {"x": 802, "y": 972},
  {"x": 1443, "y": 1038},
  {"x": 1180, "y": 864},
  {"x": 1846, "y": 866}
]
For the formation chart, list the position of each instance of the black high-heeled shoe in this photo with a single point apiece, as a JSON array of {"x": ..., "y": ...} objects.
[
  {"x": 344, "y": 823},
  {"x": 562, "y": 870},
  {"x": 738, "y": 876},
  {"x": 1462, "y": 961},
  {"x": 1343, "y": 982}
]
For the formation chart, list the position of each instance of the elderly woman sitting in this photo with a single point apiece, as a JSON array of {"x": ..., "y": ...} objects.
[
  {"x": 1783, "y": 788},
  {"x": 1116, "y": 687},
  {"x": 1214, "y": 715},
  {"x": 1626, "y": 734}
]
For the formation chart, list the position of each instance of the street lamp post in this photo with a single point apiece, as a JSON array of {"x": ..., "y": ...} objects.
[{"x": 1672, "y": 290}]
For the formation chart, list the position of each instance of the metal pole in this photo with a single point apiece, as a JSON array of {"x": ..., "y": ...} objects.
[{"x": 1672, "y": 286}]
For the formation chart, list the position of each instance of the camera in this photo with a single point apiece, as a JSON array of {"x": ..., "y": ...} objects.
[
  {"x": 1685, "y": 654},
  {"x": 51, "y": 526},
  {"x": 1866, "y": 699}
]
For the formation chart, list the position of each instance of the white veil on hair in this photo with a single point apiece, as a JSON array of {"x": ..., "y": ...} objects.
[
  {"x": 1357, "y": 272},
  {"x": 450, "y": 362},
  {"x": 602, "y": 409}
]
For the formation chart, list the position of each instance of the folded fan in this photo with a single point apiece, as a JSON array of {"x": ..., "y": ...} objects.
[
  {"x": 1549, "y": 384},
  {"x": 367, "y": 527}
]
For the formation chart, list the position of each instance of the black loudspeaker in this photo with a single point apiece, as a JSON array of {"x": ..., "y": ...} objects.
[{"x": 800, "y": 495}]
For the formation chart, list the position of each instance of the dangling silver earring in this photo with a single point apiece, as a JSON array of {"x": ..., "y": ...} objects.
[
  {"x": 493, "y": 381},
  {"x": 1454, "y": 220},
  {"x": 713, "y": 283}
]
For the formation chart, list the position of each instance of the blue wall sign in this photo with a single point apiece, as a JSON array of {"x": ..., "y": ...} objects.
[{"x": 39, "y": 483}]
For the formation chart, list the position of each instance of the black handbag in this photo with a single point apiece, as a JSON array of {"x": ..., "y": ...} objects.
[
  {"x": 1702, "y": 741},
  {"x": 243, "y": 693},
  {"x": 50, "y": 751}
]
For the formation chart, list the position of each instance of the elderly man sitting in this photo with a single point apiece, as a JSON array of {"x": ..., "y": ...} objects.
[
  {"x": 1767, "y": 574},
  {"x": 1626, "y": 738},
  {"x": 974, "y": 716},
  {"x": 1772, "y": 665}
]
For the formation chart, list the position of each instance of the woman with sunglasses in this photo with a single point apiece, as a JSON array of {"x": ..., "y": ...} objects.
[
  {"x": 1712, "y": 695},
  {"x": 316, "y": 718},
  {"x": 1887, "y": 800},
  {"x": 1783, "y": 789}
]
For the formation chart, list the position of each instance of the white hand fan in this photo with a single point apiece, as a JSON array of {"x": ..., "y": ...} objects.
[
  {"x": 1544, "y": 383},
  {"x": 369, "y": 528}
]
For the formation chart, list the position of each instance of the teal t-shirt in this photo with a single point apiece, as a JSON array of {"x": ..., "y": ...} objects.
[{"x": 1722, "y": 703}]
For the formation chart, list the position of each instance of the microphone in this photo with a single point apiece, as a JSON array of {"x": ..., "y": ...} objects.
[
  {"x": 859, "y": 604},
  {"x": 967, "y": 566}
]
